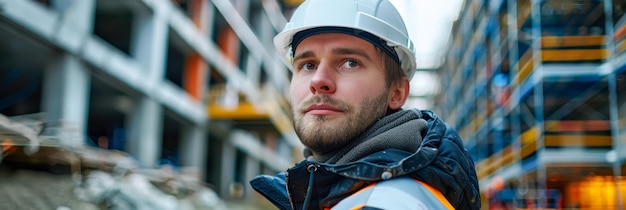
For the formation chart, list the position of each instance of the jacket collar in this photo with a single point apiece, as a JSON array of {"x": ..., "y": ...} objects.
[{"x": 440, "y": 161}]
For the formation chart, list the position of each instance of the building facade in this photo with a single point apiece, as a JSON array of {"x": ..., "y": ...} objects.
[
  {"x": 192, "y": 84},
  {"x": 542, "y": 100}
]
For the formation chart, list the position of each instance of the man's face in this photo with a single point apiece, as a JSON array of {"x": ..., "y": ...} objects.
[{"x": 337, "y": 90}]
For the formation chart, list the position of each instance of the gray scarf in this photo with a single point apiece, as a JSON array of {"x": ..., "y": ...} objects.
[{"x": 399, "y": 130}]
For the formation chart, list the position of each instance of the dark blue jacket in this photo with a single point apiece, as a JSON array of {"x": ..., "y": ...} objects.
[{"x": 441, "y": 161}]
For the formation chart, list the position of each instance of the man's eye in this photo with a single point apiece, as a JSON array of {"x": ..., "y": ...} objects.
[
  {"x": 348, "y": 64},
  {"x": 307, "y": 66}
]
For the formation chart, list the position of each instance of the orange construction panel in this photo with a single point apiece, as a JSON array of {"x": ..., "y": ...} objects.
[
  {"x": 619, "y": 33},
  {"x": 572, "y": 41},
  {"x": 229, "y": 44},
  {"x": 574, "y": 55},
  {"x": 578, "y": 141},
  {"x": 195, "y": 76}
]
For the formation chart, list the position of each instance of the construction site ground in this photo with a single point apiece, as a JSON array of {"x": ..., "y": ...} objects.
[{"x": 22, "y": 188}]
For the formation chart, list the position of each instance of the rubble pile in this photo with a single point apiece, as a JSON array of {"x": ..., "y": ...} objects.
[
  {"x": 38, "y": 173},
  {"x": 136, "y": 190}
]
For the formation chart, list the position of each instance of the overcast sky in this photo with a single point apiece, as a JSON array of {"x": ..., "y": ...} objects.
[{"x": 429, "y": 23}]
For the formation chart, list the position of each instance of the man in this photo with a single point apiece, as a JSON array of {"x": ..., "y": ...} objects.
[{"x": 351, "y": 62}]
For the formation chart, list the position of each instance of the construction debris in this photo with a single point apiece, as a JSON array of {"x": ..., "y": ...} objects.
[{"x": 38, "y": 173}]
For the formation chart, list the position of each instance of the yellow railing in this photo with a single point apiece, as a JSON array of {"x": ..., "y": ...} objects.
[
  {"x": 561, "y": 49},
  {"x": 528, "y": 138},
  {"x": 572, "y": 41},
  {"x": 573, "y": 55}
]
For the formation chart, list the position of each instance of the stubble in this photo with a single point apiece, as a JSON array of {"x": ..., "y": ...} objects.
[{"x": 324, "y": 134}]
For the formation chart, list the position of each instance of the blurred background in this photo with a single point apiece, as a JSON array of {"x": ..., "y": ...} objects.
[{"x": 176, "y": 104}]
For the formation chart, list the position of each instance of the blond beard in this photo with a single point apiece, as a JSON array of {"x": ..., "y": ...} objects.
[{"x": 324, "y": 134}]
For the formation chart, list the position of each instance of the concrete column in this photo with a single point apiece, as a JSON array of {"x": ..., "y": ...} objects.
[
  {"x": 252, "y": 170},
  {"x": 149, "y": 47},
  {"x": 227, "y": 177},
  {"x": 65, "y": 99},
  {"x": 149, "y": 42},
  {"x": 80, "y": 13},
  {"x": 209, "y": 18},
  {"x": 144, "y": 136},
  {"x": 265, "y": 33},
  {"x": 193, "y": 150},
  {"x": 253, "y": 70},
  {"x": 214, "y": 168},
  {"x": 67, "y": 81}
]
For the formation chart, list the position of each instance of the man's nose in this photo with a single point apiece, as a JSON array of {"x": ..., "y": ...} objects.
[{"x": 323, "y": 82}]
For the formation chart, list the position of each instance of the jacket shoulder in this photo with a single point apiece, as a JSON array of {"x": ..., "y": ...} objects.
[
  {"x": 273, "y": 188},
  {"x": 454, "y": 167}
]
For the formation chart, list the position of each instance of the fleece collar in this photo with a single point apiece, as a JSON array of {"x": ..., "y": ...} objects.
[{"x": 400, "y": 130}]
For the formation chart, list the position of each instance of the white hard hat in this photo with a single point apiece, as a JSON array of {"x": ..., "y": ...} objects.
[{"x": 380, "y": 20}]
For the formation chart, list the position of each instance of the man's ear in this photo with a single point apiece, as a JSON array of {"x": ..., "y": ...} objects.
[{"x": 398, "y": 94}]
